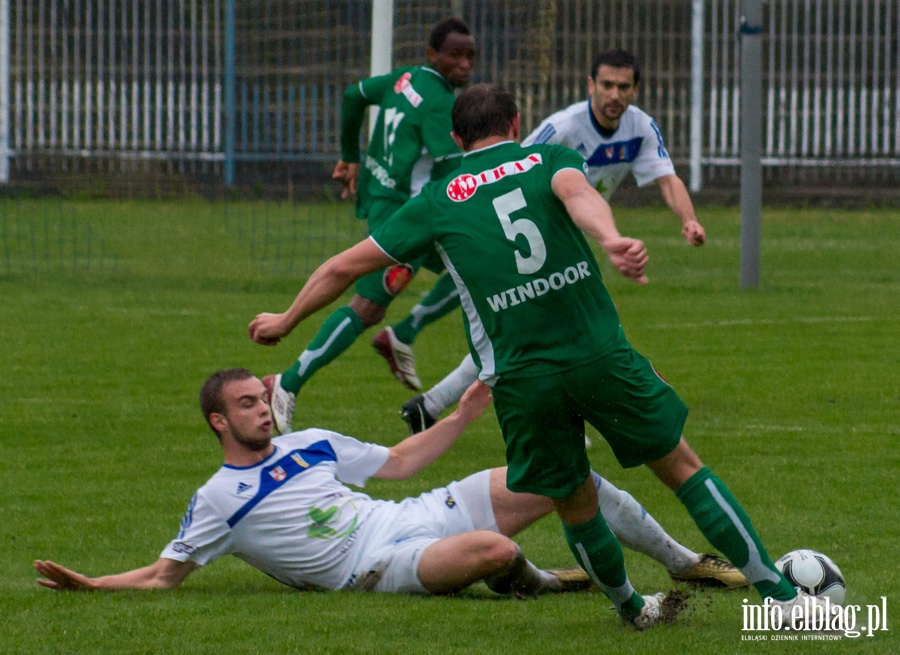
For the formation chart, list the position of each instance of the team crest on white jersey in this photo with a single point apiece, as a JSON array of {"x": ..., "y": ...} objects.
[
  {"x": 278, "y": 474},
  {"x": 462, "y": 187}
]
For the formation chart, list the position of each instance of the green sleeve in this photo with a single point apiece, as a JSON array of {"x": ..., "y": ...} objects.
[
  {"x": 562, "y": 157},
  {"x": 408, "y": 232},
  {"x": 357, "y": 98}
]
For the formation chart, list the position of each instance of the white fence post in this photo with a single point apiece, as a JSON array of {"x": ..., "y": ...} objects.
[
  {"x": 751, "y": 140},
  {"x": 4, "y": 91},
  {"x": 229, "y": 83},
  {"x": 382, "y": 46},
  {"x": 696, "y": 146}
]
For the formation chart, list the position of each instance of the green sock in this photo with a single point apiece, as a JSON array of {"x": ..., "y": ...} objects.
[
  {"x": 337, "y": 333},
  {"x": 726, "y": 525},
  {"x": 599, "y": 553},
  {"x": 440, "y": 301}
]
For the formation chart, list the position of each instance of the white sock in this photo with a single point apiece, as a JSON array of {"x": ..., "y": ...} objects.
[
  {"x": 448, "y": 391},
  {"x": 638, "y": 531}
]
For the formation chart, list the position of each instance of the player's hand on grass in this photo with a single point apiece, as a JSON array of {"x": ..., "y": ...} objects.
[
  {"x": 347, "y": 174},
  {"x": 474, "y": 401},
  {"x": 267, "y": 329},
  {"x": 629, "y": 256},
  {"x": 694, "y": 233},
  {"x": 60, "y": 578}
]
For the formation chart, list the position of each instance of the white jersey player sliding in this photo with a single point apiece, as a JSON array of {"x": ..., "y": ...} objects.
[{"x": 282, "y": 505}]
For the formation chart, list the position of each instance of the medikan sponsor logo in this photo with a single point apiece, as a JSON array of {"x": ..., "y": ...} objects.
[
  {"x": 828, "y": 623},
  {"x": 462, "y": 187}
]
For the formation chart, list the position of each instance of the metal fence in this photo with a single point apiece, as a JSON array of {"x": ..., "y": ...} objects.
[{"x": 103, "y": 89}]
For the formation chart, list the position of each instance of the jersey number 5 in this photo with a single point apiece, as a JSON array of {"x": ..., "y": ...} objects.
[{"x": 504, "y": 206}]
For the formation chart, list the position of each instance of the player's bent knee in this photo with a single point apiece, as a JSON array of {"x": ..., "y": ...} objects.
[
  {"x": 453, "y": 563},
  {"x": 488, "y": 549},
  {"x": 369, "y": 312},
  {"x": 499, "y": 555}
]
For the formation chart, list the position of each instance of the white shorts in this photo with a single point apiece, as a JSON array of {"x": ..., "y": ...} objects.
[{"x": 398, "y": 533}]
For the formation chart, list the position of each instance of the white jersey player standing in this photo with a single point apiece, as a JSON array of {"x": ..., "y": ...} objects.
[{"x": 616, "y": 138}]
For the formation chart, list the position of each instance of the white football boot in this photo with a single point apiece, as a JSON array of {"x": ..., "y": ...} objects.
[
  {"x": 651, "y": 613},
  {"x": 399, "y": 357},
  {"x": 281, "y": 402}
]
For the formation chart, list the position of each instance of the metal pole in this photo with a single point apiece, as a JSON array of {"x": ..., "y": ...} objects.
[
  {"x": 751, "y": 140},
  {"x": 697, "y": 20},
  {"x": 4, "y": 91},
  {"x": 382, "y": 46},
  {"x": 230, "y": 85}
]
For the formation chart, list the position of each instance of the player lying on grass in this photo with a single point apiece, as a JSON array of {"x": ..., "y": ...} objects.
[{"x": 281, "y": 506}]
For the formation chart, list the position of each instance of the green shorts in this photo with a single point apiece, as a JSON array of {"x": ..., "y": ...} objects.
[
  {"x": 381, "y": 287},
  {"x": 542, "y": 420}
]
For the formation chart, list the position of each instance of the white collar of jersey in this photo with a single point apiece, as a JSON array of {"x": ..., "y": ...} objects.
[
  {"x": 606, "y": 133},
  {"x": 431, "y": 70},
  {"x": 493, "y": 145},
  {"x": 275, "y": 452}
]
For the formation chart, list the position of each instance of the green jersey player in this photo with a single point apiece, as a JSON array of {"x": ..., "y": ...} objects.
[
  {"x": 616, "y": 139},
  {"x": 410, "y": 145},
  {"x": 509, "y": 225}
]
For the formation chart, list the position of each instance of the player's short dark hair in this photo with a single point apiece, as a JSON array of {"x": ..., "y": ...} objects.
[
  {"x": 481, "y": 111},
  {"x": 617, "y": 58},
  {"x": 443, "y": 28},
  {"x": 212, "y": 400}
]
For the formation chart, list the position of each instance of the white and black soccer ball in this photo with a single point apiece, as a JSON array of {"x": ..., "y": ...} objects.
[{"x": 813, "y": 572}]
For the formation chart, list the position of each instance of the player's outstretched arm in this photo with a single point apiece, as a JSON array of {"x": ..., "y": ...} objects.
[
  {"x": 419, "y": 450},
  {"x": 163, "y": 574},
  {"x": 591, "y": 213},
  {"x": 324, "y": 286},
  {"x": 679, "y": 201}
]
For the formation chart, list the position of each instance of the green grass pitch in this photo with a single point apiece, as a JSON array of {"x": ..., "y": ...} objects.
[{"x": 114, "y": 313}]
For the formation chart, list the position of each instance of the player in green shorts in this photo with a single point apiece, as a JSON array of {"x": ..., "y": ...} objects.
[
  {"x": 510, "y": 226},
  {"x": 617, "y": 139},
  {"x": 410, "y": 145}
]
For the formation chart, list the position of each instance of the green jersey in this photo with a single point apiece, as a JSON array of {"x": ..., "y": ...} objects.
[
  {"x": 530, "y": 285},
  {"x": 411, "y": 142}
]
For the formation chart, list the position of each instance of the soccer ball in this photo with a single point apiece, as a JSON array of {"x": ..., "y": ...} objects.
[{"x": 814, "y": 573}]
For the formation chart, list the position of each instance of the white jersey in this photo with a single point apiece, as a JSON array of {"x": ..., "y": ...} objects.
[
  {"x": 290, "y": 516},
  {"x": 636, "y": 145}
]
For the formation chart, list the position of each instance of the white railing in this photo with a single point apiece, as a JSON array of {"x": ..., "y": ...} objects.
[{"x": 144, "y": 79}]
